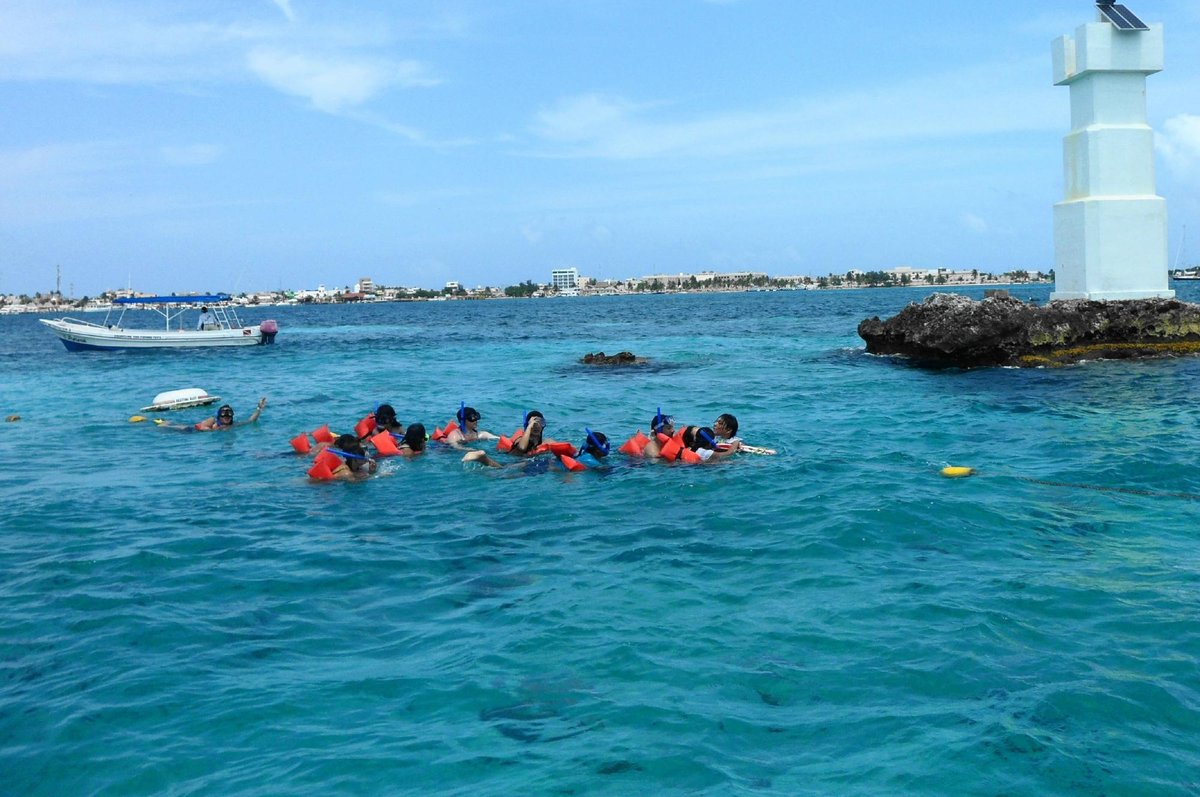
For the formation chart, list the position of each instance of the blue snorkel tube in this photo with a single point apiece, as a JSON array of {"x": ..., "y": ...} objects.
[
  {"x": 347, "y": 454},
  {"x": 602, "y": 447}
]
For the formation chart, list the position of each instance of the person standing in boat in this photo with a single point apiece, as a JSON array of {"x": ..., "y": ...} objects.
[{"x": 207, "y": 320}]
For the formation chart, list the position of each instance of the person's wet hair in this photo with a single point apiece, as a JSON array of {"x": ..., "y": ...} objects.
[
  {"x": 385, "y": 415},
  {"x": 661, "y": 422},
  {"x": 466, "y": 415},
  {"x": 689, "y": 436},
  {"x": 348, "y": 443},
  {"x": 534, "y": 414},
  {"x": 703, "y": 438},
  {"x": 596, "y": 444},
  {"x": 414, "y": 437},
  {"x": 730, "y": 423}
]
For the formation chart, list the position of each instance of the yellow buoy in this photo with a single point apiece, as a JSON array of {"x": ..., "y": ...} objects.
[
  {"x": 137, "y": 418},
  {"x": 957, "y": 472}
]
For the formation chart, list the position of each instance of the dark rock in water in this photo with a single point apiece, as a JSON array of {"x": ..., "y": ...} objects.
[
  {"x": 620, "y": 358},
  {"x": 954, "y": 330}
]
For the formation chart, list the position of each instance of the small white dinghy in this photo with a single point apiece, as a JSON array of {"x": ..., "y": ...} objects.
[{"x": 180, "y": 400}]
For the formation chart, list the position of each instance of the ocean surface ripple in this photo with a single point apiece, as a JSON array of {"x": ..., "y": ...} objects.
[{"x": 186, "y": 614}]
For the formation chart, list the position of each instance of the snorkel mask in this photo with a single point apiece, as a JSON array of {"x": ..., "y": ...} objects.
[{"x": 594, "y": 443}]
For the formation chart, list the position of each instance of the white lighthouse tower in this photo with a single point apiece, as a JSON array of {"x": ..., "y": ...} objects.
[{"x": 1110, "y": 229}]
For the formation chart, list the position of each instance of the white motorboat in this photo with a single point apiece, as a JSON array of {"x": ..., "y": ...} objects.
[{"x": 223, "y": 328}]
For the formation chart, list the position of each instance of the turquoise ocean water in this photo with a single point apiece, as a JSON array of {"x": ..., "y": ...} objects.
[{"x": 185, "y": 614}]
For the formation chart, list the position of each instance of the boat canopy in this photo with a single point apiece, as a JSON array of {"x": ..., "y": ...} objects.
[{"x": 212, "y": 298}]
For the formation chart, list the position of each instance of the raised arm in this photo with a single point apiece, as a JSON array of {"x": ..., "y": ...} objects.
[
  {"x": 523, "y": 443},
  {"x": 262, "y": 402}
]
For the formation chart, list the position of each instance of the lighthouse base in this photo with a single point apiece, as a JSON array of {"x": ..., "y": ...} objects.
[{"x": 1111, "y": 248}]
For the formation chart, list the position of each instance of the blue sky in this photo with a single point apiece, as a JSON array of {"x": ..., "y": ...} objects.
[{"x": 258, "y": 144}]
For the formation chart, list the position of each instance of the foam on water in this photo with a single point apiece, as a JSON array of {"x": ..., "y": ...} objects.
[{"x": 186, "y": 614}]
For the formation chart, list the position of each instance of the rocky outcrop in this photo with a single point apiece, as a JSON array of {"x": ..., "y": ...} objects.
[
  {"x": 620, "y": 358},
  {"x": 954, "y": 330}
]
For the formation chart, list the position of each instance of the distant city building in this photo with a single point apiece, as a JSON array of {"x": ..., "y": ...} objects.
[
  {"x": 565, "y": 281},
  {"x": 364, "y": 285},
  {"x": 453, "y": 286},
  {"x": 703, "y": 278},
  {"x": 914, "y": 274}
]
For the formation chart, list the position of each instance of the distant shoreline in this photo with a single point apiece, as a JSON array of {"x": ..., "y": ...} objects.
[{"x": 67, "y": 307}]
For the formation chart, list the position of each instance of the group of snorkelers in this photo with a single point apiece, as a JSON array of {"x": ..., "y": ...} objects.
[{"x": 380, "y": 434}]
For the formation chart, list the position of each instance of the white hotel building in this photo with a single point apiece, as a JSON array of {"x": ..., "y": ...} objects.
[{"x": 565, "y": 281}]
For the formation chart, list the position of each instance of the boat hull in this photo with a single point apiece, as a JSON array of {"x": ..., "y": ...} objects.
[{"x": 88, "y": 337}]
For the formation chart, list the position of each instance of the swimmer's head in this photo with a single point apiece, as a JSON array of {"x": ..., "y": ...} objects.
[
  {"x": 357, "y": 456},
  {"x": 535, "y": 434},
  {"x": 467, "y": 415},
  {"x": 688, "y": 436},
  {"x": 595, "y": 444},
  {"x": 725, "y": 425},
  {"x": 414, "y": 437},
  {"x": 385, "y": 415},
  {"x": 662, "y": 424},
  {"x": 703, "y": 438},
  {"x": 225, "y": 415}
]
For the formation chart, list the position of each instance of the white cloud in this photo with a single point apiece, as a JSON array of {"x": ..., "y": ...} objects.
[
  {"x": 1179, "y": 143},
  {"x": 98, "y": 44},
  {"x": 59, "y": 162},
  {"x": 286, "y": 7},
  {"x": 987, "y": 99},
  {"x": 191, "y": 154},
  {"x": 974, "y": 223},
  {"x": 336, "y": 66},
  {"x": 333, "y": 84},
  {"x": 60, "y": 182}
]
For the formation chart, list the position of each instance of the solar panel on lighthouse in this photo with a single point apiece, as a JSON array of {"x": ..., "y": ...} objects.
[{"x": 1120, "y": 16}]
